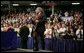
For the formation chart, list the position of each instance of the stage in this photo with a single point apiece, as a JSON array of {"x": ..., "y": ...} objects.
[{"x": 26, "y": 50}]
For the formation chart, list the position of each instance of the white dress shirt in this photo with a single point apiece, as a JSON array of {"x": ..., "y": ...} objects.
[
  {"x": 78, "y": 33},
  {"x": 48, "y": 33}
]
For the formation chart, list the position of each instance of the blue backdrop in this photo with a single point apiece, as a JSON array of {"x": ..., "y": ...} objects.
[{"x": 9, "y": 40}]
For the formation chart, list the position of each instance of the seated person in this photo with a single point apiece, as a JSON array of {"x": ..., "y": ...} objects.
[
  {"x": 56, "y": 31},
  {"x": 62, "y": 30},
  {"x": 48, "y": 32},
  {"x": 79, "y": 32},
  {"x": 6, "y": 27}
]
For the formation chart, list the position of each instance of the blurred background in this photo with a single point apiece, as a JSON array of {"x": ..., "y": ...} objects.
[{"x": 27, "y": 6}]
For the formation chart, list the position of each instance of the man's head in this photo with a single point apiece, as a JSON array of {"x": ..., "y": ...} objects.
[{"x": 39, "y": 9}]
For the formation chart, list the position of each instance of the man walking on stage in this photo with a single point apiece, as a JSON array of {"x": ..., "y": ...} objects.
[{"x": 38, "y": 30}]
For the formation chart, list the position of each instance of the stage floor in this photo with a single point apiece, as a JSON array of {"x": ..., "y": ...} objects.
[{"x": 26, "y": 50}]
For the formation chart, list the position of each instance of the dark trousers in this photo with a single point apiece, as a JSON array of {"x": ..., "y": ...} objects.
[
  {"x": 42, "y": 41},
  {"x": 36, "y": 41},
  {"x": 24, "y": 43}
]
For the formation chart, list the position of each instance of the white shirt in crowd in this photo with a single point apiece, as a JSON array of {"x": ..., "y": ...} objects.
[
  {"x": 48, "y": 33},
  {"x": 17, "y": 30},
  {"x": 1, "y": 28},
  {"x": 56, "y": 32},
  {"x": 78, "y": 33},
  {"x": 62, "y": 30},
  {"x": 30, "y": 31}
]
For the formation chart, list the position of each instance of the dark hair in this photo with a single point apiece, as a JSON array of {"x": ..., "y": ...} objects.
[{"x": 10, "y": 30}]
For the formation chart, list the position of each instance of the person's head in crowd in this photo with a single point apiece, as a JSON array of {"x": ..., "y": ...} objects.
[
  {"x": 76, "y": 14},
  {"x": 14, "y": 25},
  {"x": 52, "y": 16},
  {"x": 80, "y": 27},
  {"x": 59, "y": 25},
  {"x": 66, "y": 13},
  {"x": 10, "y": 24},
  {"x": 6, "y": 25},
  {"x": 55, "y": 27},
  {"x": 55, "y": 14},
  {"x": 63, "y": 25},
  {"x": 17, "y": 24},
  {"x": 67, "y": 23},
  {"x": 71, "y": 29}
]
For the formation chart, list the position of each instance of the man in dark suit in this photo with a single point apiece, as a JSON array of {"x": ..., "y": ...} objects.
[
  {"x": 39, "y": 28},
  {"x": 24, "y": 32}
]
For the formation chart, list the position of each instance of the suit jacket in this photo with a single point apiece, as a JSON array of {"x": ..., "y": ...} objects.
[{"x": 41, "y": 24}]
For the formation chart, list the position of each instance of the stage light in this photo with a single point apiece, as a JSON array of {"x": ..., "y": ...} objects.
[
  {"x": 75, "y": 3},
  {"x": 33, "y": 4},
  {"x": 15, "y": 4}
]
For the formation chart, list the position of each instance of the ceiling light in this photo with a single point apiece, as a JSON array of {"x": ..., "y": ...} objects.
[
  {"x": 75, "y": 3},
  {"x": 33, "y": 4},
  {"x": 15, "y": 4}
]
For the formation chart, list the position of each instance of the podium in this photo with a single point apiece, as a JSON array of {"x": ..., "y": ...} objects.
[{"x": 8, "y": 40}]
